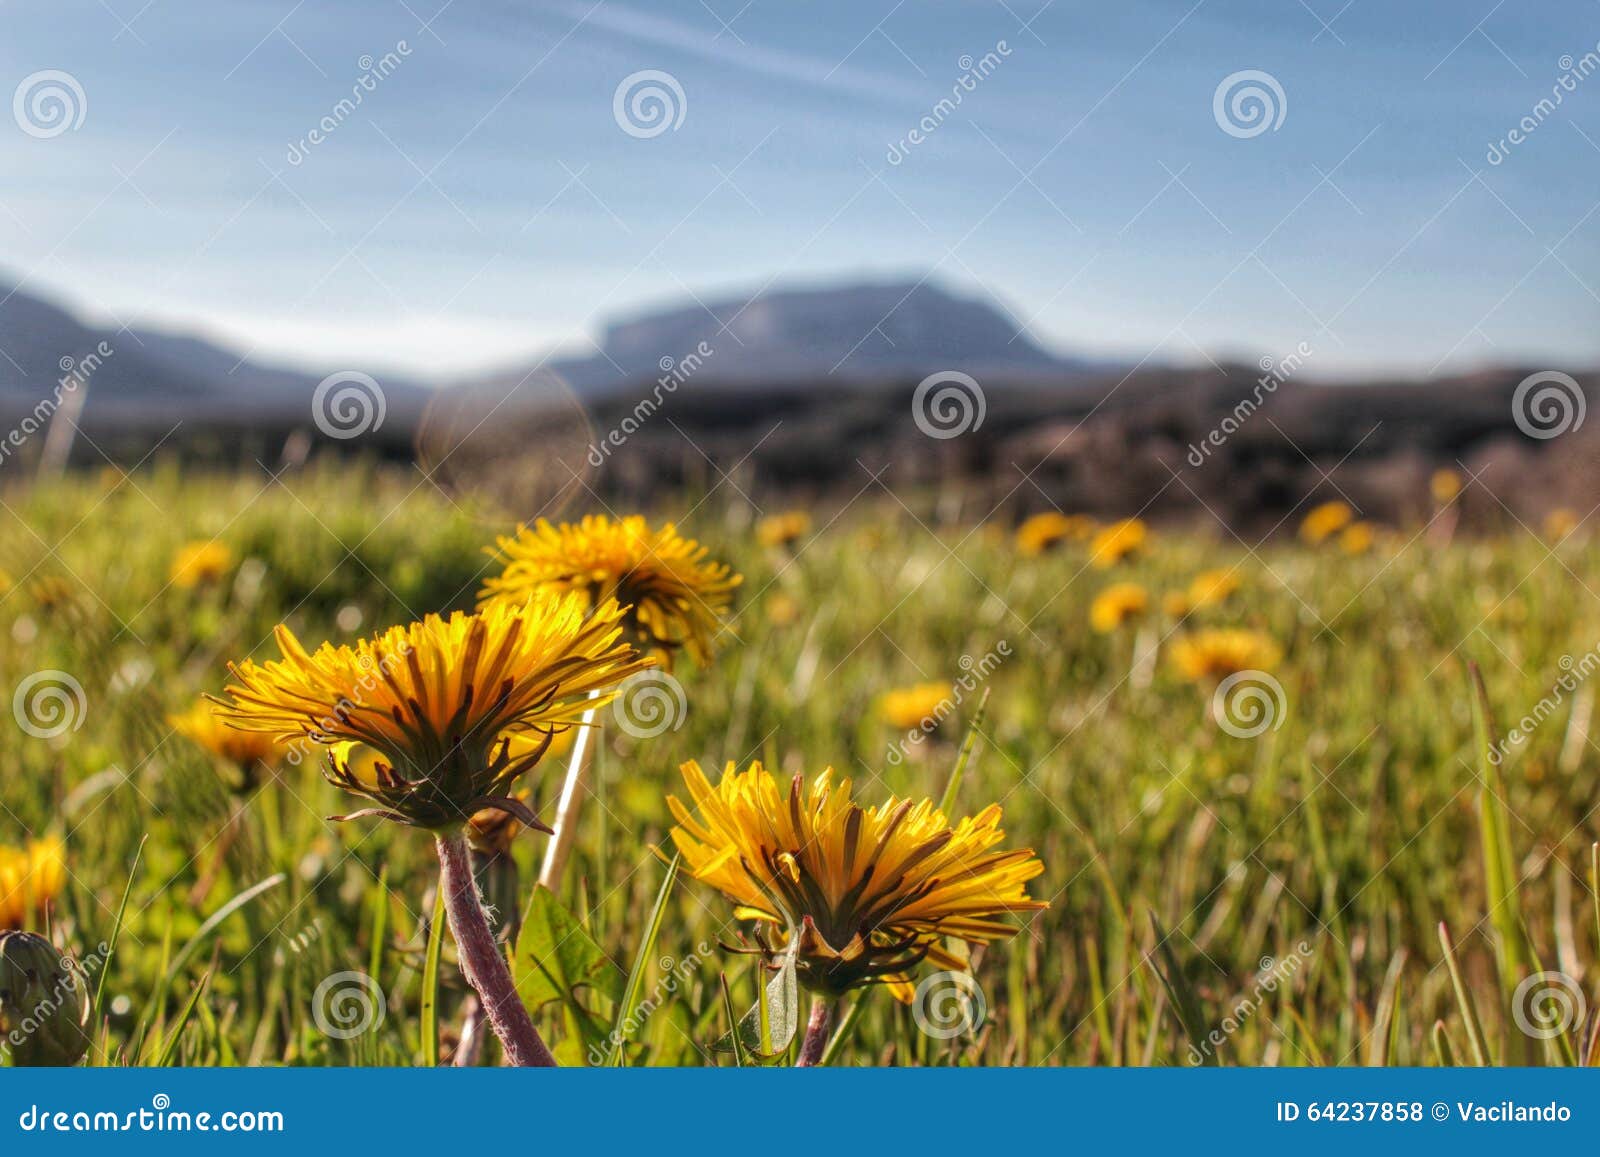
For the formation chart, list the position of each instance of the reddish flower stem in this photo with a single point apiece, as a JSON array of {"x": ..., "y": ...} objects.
[
  {"x": 816, "y": 1038},
  {"x": 481, "y": 962}
]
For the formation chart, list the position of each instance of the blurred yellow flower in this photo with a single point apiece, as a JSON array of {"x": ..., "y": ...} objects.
[
  {"x": 1212, "y": 587},
  {"x": 672, "y": 596},
  {"x": 1040, "y": 532},
  {"x": 30, "y": 878},
  {"x": 916, "y": 706},
  {"x": 200, "y": 564},
  {"x": 250, "y": 752},
  {"x": 1326, "y": 520},
  {"x": 52, "y": 593},
  {"x": 1176, "y": 604},
  {"x": 1119, "y": 603},
  {"x": 1357, "y": 538},
  {"x": 1560, "y": 523},
  {"x": 870, "y": 892},
  {"x": 436, "y": 699},
  {"x": 782, "y": 529},
  {"x": 1445, "y": 485},
  {"x": 1117, "y": 541},
  {"x": 782, "y": 610},
  {"x": 1218, "y": 653}
]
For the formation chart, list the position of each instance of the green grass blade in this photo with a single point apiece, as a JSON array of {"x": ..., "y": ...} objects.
[
  {"x": 115, "y": 935},
  {"x": 175, "y": 1033},
  {"x": 380, "y": 923},
  {"x": 968, "y": 741},
  {"x": 641, "y": 964},
  {"x": 733, "y": 1021},
  {"x": 847, "y": 1024},
  {"x": 1186, "y": 1005},
  {"x": 214, "y": 921},
  {"x": 1443, "y": 1049},
  {"x": 1469, "y": 1011},
  {"x": 429, "y": 1012}
]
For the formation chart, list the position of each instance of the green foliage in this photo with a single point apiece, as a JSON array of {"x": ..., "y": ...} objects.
[{"x": 558, "y": 963}]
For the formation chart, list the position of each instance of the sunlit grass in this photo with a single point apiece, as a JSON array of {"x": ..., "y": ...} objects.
[{"x": 1354, "y": 825}]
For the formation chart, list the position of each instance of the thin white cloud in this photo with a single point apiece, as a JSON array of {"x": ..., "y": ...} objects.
[{"x": 836, "y": 76}]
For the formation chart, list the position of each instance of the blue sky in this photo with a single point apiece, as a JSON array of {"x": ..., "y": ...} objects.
[{"x": 483, "y": 201}]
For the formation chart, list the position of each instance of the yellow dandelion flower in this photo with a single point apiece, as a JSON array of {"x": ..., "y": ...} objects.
[
  {"x": 1176, "y": 604},
  {"x": 200, "y": 564},
  {"x": 1444, "y": 485},
  {"x": 435, "y": 700},
  {"x": 1325, "y": 521},
  {"x": 1118, "y": 541},
  {"x": 1217, "y": 653},
  {"x": 673, "y": 597},
  {"x": 869, "y": 892},
  {"x": 1212, "y": 587},
  {"x": 1357, "y": 538},
  {"x": 1119, "y": 603},
  {"x": 1560, "y": 523},
  {"x": 1040, "y": 532},
  {"x": 922, "y": 705},
  {"x": 783, "y": 529},
  {"x": 30, "y": 878}
]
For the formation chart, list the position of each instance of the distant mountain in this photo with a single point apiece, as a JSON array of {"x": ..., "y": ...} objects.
[
  {"x": 845, "y": 335},
  {"x": 154, "y": 378},
  {"x": 841, "y": 333}
]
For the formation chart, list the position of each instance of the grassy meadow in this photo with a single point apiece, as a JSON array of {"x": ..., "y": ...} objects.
[{"x": 1214, "y": 896}]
